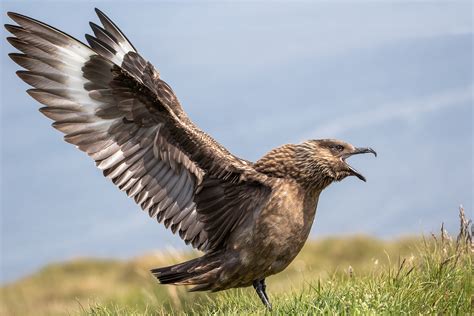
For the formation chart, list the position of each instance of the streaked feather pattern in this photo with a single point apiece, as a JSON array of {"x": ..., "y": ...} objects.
[{"x": 111, "y": 103}]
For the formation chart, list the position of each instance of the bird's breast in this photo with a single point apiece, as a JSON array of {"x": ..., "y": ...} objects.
[{"x": 281, "y": 228}]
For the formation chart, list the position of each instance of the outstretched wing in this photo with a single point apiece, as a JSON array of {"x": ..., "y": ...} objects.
[{"x": 111, "y": 103}]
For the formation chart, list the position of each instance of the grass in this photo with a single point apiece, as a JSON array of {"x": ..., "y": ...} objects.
[{"x": 354, "y": 275}]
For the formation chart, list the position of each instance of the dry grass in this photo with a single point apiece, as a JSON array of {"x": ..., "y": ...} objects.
[{"x": 356, "y": 275}]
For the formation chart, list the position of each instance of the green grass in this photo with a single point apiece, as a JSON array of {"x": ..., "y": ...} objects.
[{"x": 353, "y": 275}]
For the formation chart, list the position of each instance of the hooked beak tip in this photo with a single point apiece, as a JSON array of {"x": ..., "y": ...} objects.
[
  {"x": 367, "y": 150},
  {"x": 372, "y": 151}
]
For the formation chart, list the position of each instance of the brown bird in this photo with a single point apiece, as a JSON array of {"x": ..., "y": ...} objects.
[{"x": 250, "y": 219}]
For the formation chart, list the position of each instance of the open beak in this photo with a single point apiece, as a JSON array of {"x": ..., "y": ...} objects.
[{"x": 357, "y": 151}]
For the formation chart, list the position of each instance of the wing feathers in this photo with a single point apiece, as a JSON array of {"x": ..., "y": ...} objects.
[
  {"x": 115, "y": 31},
  {"x": 103, "y": 49},
  {"x": 111, "y": 103},
  {"x": 103, "y": 35}
]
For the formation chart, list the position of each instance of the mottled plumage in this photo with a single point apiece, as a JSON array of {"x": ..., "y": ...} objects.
[{"x": 251, "y": 220}]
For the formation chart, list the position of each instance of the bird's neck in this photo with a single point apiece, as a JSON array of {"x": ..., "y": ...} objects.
[{"x": 288, "y": 161}]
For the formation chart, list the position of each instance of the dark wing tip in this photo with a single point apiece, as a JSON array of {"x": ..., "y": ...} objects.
[
  {"x": 88, "y": 36},
  {"x": 99, "y": 12},
  {"x": 102, "y": 15},
  {"x": 104, "y": 19},
  {"x": 13, "y": 40},
  {"x": 32, "y": 92},
  {"x": 91, "y": 40},
  {"x": 24, "y": 75},
  {"x": 20, "y": 73},
  {"x": 93, "y": 25},
  {"x": 16, "y": 56},
  {"x": 18, "y": 17},
  {"x": 11, "y": 14},
  {"x": 97, "y": 29},
  {"x": 12, "y": 28}
]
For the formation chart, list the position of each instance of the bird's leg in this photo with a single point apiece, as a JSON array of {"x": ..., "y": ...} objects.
[
  {"x": 259, "y": 286},
  {"x": 264, "y": 289}
]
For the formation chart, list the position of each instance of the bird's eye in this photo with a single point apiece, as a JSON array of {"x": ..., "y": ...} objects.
[{"x": 337, "y": 147}]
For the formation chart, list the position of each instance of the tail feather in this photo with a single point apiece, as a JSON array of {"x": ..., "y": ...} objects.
[
  {"x": 168, "y": 275},
  {"x": 198, "y": 272}
]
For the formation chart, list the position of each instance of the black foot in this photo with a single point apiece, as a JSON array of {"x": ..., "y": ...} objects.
[{"x": 260, "y": 287}]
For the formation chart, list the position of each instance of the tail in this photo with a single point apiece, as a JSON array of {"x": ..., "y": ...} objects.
[{"x": 202, "y": 272}]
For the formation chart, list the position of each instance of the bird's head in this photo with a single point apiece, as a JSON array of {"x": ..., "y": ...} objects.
[{"x": 323, "y": 161}]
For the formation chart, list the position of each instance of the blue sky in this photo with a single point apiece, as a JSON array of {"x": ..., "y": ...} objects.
[{"x": 396, "y": 76}]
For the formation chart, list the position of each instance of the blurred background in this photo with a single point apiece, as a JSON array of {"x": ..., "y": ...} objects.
[{"x": 395, "y": 76}]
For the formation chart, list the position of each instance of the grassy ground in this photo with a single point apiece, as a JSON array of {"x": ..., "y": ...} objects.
[{"x": 352, "y": 275}]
